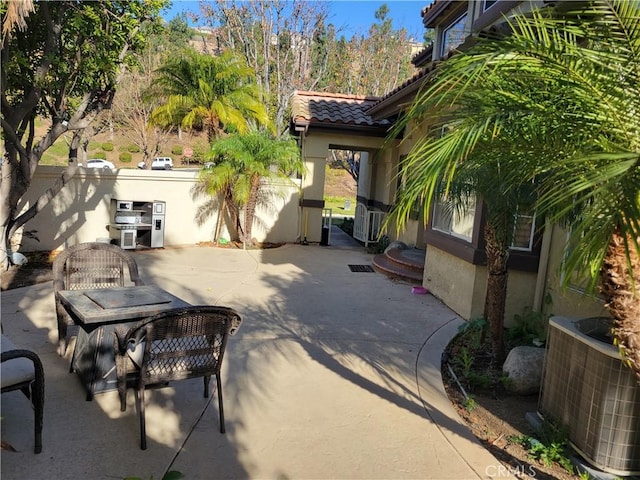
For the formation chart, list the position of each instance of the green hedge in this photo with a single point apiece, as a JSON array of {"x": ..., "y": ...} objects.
[
  {"x": 125, "y": 157},
  {"x": 101, "y": 155},
  {"x": 133, "y": 148},
  {"x": 107, "y": 147},
  {"x": 177, "y": 150}
]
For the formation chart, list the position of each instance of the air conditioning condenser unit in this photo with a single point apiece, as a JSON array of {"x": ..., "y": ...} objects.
[{"x": 587, "y": 389}]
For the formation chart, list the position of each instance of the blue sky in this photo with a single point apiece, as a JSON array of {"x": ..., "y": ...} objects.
[{"x": 353, "y": 16}]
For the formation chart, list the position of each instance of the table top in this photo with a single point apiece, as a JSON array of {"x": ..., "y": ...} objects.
[{"x": 92, "y": 308}]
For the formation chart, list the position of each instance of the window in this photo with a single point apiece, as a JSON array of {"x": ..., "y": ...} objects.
[
  {"x": 487, "y": 4},
  {"x": 580, "y": 276},
  {"x": 455, "y": 220},
  {"x": 453, "y": 35},
  {"x": 524, "y": 230}
]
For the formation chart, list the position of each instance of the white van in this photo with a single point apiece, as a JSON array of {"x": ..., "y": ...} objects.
[{"x": 162, "y": 163}]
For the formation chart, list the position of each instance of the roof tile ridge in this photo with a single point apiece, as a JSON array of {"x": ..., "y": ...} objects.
[{"x": 344, "y": 96}]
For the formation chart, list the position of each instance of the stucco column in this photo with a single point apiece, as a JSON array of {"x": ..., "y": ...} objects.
[
  {"x": 312, "y": 200},
  {"x": 364, "y": 176}
]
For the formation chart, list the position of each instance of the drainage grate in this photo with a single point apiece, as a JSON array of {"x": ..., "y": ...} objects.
[{"x": 361, "y": 268}]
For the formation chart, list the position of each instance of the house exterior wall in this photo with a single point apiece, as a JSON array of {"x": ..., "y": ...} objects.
[
  {"x": 520, "y": 294},
  {"x": 384, "y": 187},
  {"x": 80, "y": 212},
  {"x": 573, "y": 301},
  {"x": 412, "y": 232},
  {"x": 364, "y": 176},
  {"x": 462, "y": 286},
  {"x": 454, "y": 281}
]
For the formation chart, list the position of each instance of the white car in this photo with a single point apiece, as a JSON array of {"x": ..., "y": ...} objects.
[
  {"x": 162, "y": 163},
  {"x": 99, "y": 163}
]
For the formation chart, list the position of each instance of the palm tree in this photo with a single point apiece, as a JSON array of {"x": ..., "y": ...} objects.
[
  {"x": 14, "y": 15},
  {"x": 554, "y": 106},
  {"x": 213, "y": 93},
  {"x": 242, "y": 163}
]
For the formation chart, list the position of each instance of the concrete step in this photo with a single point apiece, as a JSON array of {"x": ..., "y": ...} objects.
[{"x": 407, "y": 265}]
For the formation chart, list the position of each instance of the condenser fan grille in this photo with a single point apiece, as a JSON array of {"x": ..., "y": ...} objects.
[{"x": 587, "y": 389}]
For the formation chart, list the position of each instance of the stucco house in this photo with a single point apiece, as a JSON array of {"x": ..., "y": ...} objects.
[{"x": 455, "y": 261}]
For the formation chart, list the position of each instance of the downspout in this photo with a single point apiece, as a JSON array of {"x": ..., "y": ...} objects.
[{"x": 543, "y": 267}]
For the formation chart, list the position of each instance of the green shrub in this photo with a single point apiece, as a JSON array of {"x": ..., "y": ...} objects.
[
  {"x": 528, "y": 328},
  {"x": 200, "y": 150},
  {"x": 101, "y": 155},
  {"x": 107, "y": 146},
  {"x": 177, "y": 150},
  {"x": 347, "y": 225},
  {"x": 380, "y": 246},
  {"x": 550, "y": 445},
  {"x": 125, "y": 157},
  {"x": 133, "y": 148}
]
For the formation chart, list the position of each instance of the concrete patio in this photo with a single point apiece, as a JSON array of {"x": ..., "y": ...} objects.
[{"x": 333, "y": 374}]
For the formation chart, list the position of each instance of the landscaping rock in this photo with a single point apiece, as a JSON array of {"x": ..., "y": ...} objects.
[
  {"x": 524, "y": 369},
  {"x": 397, "y": 244}
]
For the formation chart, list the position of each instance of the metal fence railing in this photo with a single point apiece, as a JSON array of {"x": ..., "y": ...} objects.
[{"x": 367, "y": 224}]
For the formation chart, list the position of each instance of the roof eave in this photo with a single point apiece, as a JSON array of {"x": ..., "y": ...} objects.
[
  {"x": 433, "y": 12},
  {"x": 397, "y": 101},
  {"x": 299, "y": 126}
]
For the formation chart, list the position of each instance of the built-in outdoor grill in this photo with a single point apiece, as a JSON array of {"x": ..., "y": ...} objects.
[{"x": 137, "y": 224}]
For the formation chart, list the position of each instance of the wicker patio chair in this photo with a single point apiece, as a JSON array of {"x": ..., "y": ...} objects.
[
  {"x": 22, "y": 370},
  {"x": 87, "y": 266},
  {"x": 174, "y": 345}
]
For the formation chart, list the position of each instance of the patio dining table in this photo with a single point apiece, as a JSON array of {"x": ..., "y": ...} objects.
[{"x": 98, "y": 312}]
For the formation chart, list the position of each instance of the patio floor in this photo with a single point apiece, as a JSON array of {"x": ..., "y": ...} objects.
[{"x": 333, "y": 374}]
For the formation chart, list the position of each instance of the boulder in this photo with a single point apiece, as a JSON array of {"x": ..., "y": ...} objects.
[
  {"x": 523, "y": 366},
  {"x": 397, "y": 244}
]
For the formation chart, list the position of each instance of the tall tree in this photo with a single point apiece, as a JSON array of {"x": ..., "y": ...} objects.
[
  {"x": 561, "y": 93},
  {"x": 63, "y": 66},
  {"x": 243, "y": 163},
  {"x": 211, "y": 93},
  {"x": 383, "y": 58},
  {"x": 275, "y": 38},
  {"x": 136, "y": 99}
]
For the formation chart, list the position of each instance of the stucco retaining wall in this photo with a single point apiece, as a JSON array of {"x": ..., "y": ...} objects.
[{"x": 80, "y": 212}]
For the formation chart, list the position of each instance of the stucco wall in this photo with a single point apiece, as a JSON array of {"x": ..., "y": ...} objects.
[
  {"x": 572, "y": 302},
  {"x": 520, "y": 293},
  {"x": 456, "y": 282},
  {"x": 80, "y": 212},
  {"x": 462, "y": 285}
]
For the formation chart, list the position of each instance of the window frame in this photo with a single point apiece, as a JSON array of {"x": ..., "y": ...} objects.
[
  {"x": 474, "y": 252},
  {"x": 448, "y": 28},
  {"x": 532, "y": 231},
  {"x": 469, "y": 213},
  {"x": 487, "y": 4}
]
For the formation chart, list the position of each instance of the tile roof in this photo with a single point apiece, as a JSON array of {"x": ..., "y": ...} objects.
[
  {"x": 433, "y": 11},
  {"x": 426, "y": 10},
  {"x": 321, "y": 108}
]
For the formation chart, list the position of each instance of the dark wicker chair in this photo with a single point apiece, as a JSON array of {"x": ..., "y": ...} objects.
[
  {"x": 87, "y": 266},
  {"x": 22, "y": 370},
  {"x": 174, "y": 345}
]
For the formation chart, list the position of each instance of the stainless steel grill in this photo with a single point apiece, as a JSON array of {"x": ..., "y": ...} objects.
[{"x": 137, "y": 224}]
